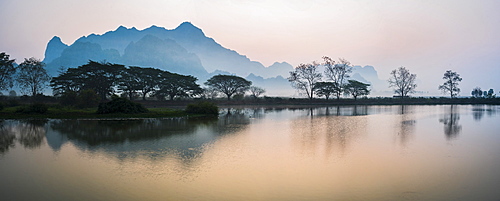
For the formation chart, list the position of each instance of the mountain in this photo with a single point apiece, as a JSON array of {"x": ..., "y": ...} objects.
[
  {"x": 185, "y": 40},
  {"x": 54, "y": 49},
  {"x": 164, "y": 54}
]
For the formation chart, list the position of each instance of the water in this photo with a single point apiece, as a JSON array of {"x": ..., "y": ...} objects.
[{"x": 335, "y": 153}]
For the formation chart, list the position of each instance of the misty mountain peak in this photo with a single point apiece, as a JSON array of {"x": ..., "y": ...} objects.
[
  {"x": 188, "y": 27},
  {"x": 54, "y": 49},
  {"x": 123, "y": 28}
]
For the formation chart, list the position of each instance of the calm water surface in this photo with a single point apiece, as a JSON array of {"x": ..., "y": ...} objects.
[{"x": 335, "y": 153}]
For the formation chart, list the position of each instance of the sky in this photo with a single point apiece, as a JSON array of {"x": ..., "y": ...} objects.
[{"x": 426, "y": 36}]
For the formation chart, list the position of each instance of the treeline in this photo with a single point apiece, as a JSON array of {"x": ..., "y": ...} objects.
[
  {"x": 334, "y": 81},
  {"x": 94, "y": 82}
]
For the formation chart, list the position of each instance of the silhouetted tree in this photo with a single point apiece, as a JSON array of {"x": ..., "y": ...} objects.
[
  {"x": 143, "y": 80},
  {"x": 7, "y": 71},
  {"x": 256, "y": 91},
  {"x": 32, "y": 76},
  {"x": 450, "y": 85},
  {"x": 402, "y": 81},
  {"x": 337, "y": 72},
  {"x": 100, "y": 77},
  {"x": 326, "y": 89},
  {"x": 355, "y": 89},
  {"x": 305, "y": 77},
  {"x": 228, "y": 84},
  {"x": 175, "y": 85},
  {"x": 477, "y": 92}
]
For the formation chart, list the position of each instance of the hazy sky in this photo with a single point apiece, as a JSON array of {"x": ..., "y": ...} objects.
[{"x": 427, "y": 37}]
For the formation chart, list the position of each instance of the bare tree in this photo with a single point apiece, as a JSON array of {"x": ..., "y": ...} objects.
[
  {"x": 304, "y": 77},
  {"x": 402, "y": 81},
  {"x": 32, "y": 76},
  {"x": 256, "y": 91},
  {"x": 451, "y": 83},
  {"x": 337, "y": 72}
]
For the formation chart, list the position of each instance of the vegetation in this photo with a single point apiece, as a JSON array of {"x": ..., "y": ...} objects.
[
  {"x": 356, "y": 88},
  {"x": 326, "y": 89},
  {"x": 256, "y": 91},
  {"x": 37, "y": 108},
  {"x": 228, "y": 84},
  {"x": 337, "y": 72},
  {"x": 7, "y": 71},
  {"x": 121, "y": 105},
  {"x": 450, "y": 85},
  {"x": 32, "y": 77},
  {"x": 305, "y": 77},
  {"x": 402, "y": 81},
  {"x": 207, "y": 108}
]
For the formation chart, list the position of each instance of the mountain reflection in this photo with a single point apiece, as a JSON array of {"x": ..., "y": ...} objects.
[{"x": 451, "y": 125}]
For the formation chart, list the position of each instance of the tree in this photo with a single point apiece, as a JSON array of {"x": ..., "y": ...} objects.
[
  {"x": 144, "y": 80},
  {"x": 337, "y": 73},
  {"x": 32, "y": 77},
  {"x": 100, "y": 77},
  {"x": 325, "y": 89},
  {"x": 402, "y": 81},
  {"x": 355, "y": 89},
  {"x": 450, "y": 85},
  {"x": 305, "y": 77},
  {"x": 256, "y": 91},
  {"x": 477, "y": 92},
  {"x": 7, "y": 71},
  {"x": 176, "y": 85},
  {"x": 228, "y": 84}
]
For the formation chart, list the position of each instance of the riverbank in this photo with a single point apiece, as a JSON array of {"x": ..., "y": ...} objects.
[{"x": 166, "y": 109}]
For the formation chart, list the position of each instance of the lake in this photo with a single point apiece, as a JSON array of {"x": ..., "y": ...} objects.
[{"x": 445, "y": 152}]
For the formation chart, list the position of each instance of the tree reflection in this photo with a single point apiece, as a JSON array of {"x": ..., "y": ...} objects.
[
  {"x": 185, "y": 138},
  {"x": 31, "y": 133},
  {"x": 7, "y": 138},
  {"x": 450, "y": 121},
  {"x": 324, "y": 131},
  {"x": 406, "y": 125},
  {"x": 478, "y": 111}
]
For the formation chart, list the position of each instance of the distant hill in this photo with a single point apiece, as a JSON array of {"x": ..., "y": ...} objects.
[{"x": 184, "y": 50}]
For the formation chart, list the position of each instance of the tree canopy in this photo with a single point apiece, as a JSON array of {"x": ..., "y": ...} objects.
[
  {"x": 356, "y": 88},
  {"x": 450, "y": 86},
  {"x": 7, "y": 71},
  {"x": 32, "y": 76},
  {"x": 326, "y": 89},
  {"x": 228, "y": 84}
]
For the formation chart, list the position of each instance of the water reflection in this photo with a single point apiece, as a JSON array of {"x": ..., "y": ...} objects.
[
  {"x": 451, "y": 125},
  {"x": 329, "y": 132},
  {"x": 29, "y": 133},
  {"x": 7, "y": 137},
  {"x": 406, "y": 126},
  {"x": 123, "y": 139},
  {"x": 478, "y": 111}
]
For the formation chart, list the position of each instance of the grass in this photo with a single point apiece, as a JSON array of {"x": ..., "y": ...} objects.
[{"x": 71, "y": 113}]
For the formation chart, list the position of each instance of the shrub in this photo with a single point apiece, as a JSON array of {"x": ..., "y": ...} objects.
[
  {"x": 1, "y": 106},
  {"x": 203, "y": 108},
  {"x": 120, "y": 105},
  {"x": 37, "y": 108},
  {"x": 87, "y": 98}
]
